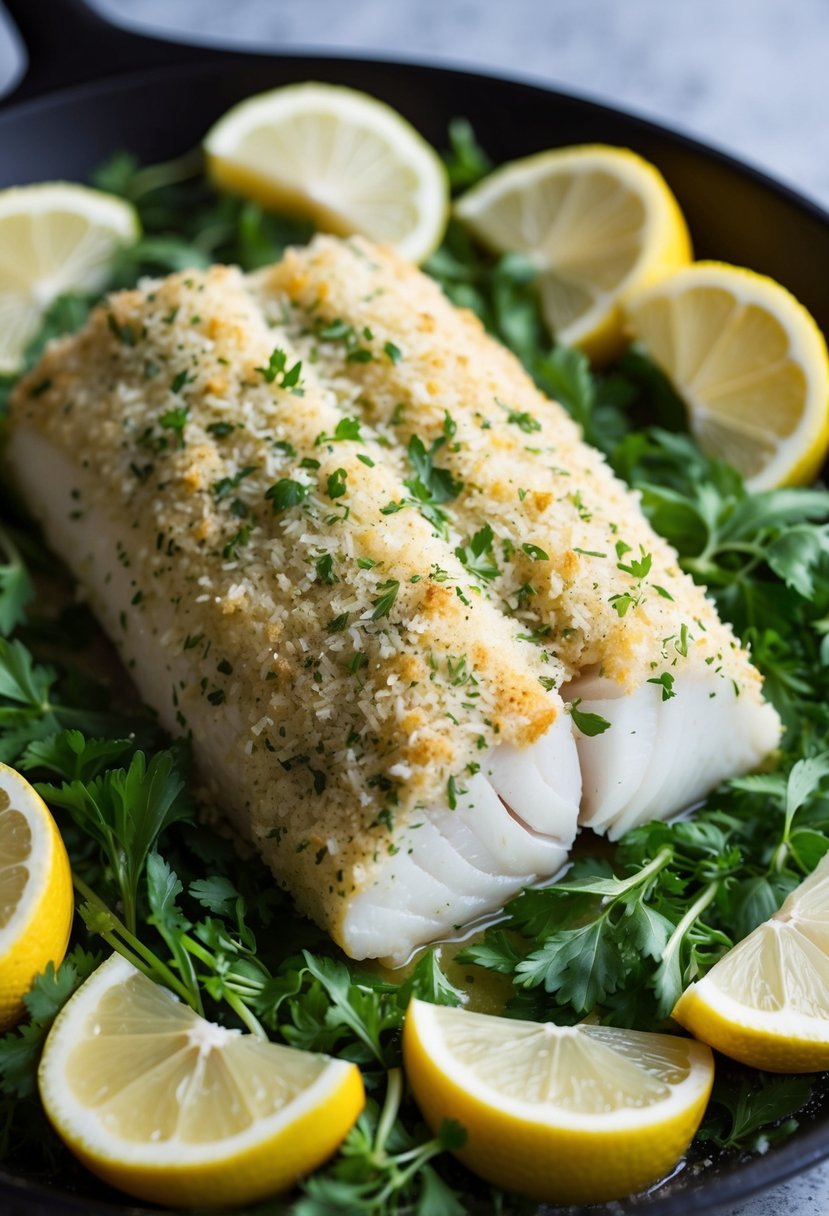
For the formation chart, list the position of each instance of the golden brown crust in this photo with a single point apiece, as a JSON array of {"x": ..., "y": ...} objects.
[
  {"x": 524, "y": 467},
  {"x": 319, "y": 717}
]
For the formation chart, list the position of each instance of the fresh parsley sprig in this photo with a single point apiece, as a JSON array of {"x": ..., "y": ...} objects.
[{"x": 125, "y": 810}]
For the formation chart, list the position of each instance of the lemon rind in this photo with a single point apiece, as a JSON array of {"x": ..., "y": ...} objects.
[
  {"x": 682, "y": 1096},
  {"x": 80, "y": 1126}
]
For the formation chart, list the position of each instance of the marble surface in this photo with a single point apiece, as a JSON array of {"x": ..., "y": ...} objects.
[{"x": 747, "y": 75}]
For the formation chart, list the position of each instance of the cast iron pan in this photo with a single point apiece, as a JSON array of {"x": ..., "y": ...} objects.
[{"x": 92, "y": 89}]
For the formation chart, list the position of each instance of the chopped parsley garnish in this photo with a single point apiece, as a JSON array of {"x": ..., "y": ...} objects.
[
  {"x": 224, "y": 485},
  {"x": 346, "y": 429},
  {"x": 385, "y": 600},
  {"x": 124, "y": 333},
  {"x": 666, "y": 682},
  {"x": 220, "y": 430},
  {"x": 524, "y": 421},
  {"x": 477, "y": 555},
  {"x": 230, "y": 551},
  {"x": 278, "y": 372},
  {"x": 286, "y": 493},
  {"x": 324, "y": 566},
  {"x": 340, "y": 331},
  {"x": 175, "y": 420},
  {"x": 589, "y": 724},
  {"x": 535, "y": 552},
  {"x": 336, "y": 483}
]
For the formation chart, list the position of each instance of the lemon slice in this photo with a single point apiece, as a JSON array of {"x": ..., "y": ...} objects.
[
  {"x": 766, "y": 1002},
  {"x": 36, "y": 902},
  {"x": 597, "y": 222},
  {"x": 174, "y": 1109},
  {"x": 54, "y": 238},
  {"x": 575, "y": 1114},
  {"x": 343, "y": 159},
  {"x": 749, "y": 362}
]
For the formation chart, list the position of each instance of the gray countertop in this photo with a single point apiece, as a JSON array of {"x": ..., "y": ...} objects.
[{"x": 746, "y": 75}]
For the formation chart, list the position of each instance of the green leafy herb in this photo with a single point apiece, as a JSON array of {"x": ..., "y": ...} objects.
[
  {"x": 336, "y": 483},
  {"x": 16, "y": 587},
  {"x": 278, "y": 372},
  {"x": 589, "y": 724},
  {"x": 285, "y": 494},
  {"x": 477, "y": 555},
  {"x": 385, "y": 600},
  {"x": 125, "y": 811}
]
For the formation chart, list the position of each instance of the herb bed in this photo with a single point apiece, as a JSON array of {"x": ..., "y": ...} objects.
[{"x": 620, "y": 937}]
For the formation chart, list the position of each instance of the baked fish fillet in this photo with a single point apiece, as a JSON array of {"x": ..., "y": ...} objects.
[
  {"x": 568, "y": 553},
  {"x": 378, "y": 728}
]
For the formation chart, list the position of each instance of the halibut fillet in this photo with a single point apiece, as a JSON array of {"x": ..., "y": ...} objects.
[
  {"x": 397, "y": 752},
  {"x": 568, "y": 552}
]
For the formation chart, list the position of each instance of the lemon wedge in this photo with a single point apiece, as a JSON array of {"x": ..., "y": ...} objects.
[
  {"x": 176, "y": 1110},
  {"x": 598, "y": 223},
  {"x": 343, "y": 159},
  {"x": 766, "y": 1002},
  {"x": 575, "y": 1114},
  {"x": 36, "y": 904},
  {"x": 750, "y": 364},
  {"x": 54, "y": 238}
]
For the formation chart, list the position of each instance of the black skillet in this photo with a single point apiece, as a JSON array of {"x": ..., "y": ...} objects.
[{"x": 92, "y": 89}]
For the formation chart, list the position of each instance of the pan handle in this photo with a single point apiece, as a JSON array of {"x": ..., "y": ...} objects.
[{"x": 66, "y": 43}]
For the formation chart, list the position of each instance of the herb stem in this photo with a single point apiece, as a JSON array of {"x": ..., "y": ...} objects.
[
  {"x": 131, "y": 948},
  {"x": 391, "y": 1105},
  {"x": 696, "y": 909},
  {"x": 245, "y": 1015},
  {"x": 168, "y": 173}
]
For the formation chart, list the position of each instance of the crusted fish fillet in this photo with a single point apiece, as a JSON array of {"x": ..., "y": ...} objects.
[
  {"x": 396, "y": 751},
  {"x": 569, "y": 553}
]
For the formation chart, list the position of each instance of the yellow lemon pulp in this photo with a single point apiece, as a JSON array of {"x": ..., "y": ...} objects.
[
  {"x": 563, "y": 1114},
  {"x": 177, "y": 1110},
  {"x": 36, "y": 904},
  {"x": 598, "y": 223},
  {"x": 55, "y": 237},
  {"x": 766, "y": 1002},
  {"x": 337, "y": 156},
  {"x": 750, "y": 364}
]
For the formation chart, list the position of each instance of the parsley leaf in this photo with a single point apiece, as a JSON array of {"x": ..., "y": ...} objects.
[
  {"x": 278, "y": 372},
  {"x": 589, "y": 724},
  {"x": 477, "y": 555},
  {"x": 16, "y": 586},
  {"x": 125, "y": 811},
  {"x": 285, "y": 494},
  {"x": 384, "y": 602}
]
